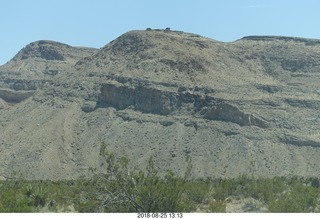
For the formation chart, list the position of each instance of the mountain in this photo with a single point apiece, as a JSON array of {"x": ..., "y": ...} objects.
[
  {"x": 37, "y": 63},
  {"x": 245, "y": 107}
]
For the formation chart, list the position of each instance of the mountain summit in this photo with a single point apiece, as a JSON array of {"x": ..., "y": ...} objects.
[
  {"x": 245, "y": 107},
  {"x": 48, "y": 50}
]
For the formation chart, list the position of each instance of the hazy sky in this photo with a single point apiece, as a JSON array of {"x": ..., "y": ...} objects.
[{"x": 94, "y": 23}]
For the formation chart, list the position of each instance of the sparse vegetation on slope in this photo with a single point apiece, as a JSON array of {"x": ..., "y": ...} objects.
[
  {"x": 166, "y": 94},
  {"x": 125, "y": 189}
]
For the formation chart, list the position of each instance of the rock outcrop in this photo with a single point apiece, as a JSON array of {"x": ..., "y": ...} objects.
[{"x": 12, "y": 96}]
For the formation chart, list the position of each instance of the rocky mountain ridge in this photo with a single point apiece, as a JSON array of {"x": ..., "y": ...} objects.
[{"x": 245, "y": 107}]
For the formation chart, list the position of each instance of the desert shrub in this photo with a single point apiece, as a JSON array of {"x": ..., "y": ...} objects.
[
  {"x": 223, "y": 188},
  {"x": 198, "y": 192},
  {"x": 86, "y": 207},
  {"x": 298, "y": 198},
  {"x": 264, "y": 189},
  {"x": 315, "y": 182},
  {"x": 123, "y": 188},
  {"x": 217, "y": 206},
  {"x": 268, "y": 188},
  {"x": 12, "y": 201},
  {"x": 133, "y": 190},
  {"x": 36, "y": 194}
]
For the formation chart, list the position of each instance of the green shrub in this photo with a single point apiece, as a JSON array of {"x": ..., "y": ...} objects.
[
  {"x": 263, "y": 189},
  {"x": 198, "y": 191},
  {"x": 12, "y": 201},
  {"x": 36, "y": 194},
  {"x": 299, "y": 198},
  {"x": 223, "y": 188},
  {"x": 135, "y": 190},
  {"x": 217, "y": 207},
  {"x": 123, "y": 188}
]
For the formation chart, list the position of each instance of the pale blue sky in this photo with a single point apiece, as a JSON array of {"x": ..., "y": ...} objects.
[{"x": 94, "y": 23}]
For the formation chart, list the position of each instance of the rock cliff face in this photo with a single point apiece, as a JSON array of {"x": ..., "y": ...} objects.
[
  {"x": 246, "y": 107},
  {"x": 11, "y": 96},
  {"x": 150, "y": 100}
]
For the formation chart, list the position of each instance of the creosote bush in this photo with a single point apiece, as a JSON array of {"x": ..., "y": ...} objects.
[
  {"x": 135, "y": 190},
  {"x": 122, "y": 188}
]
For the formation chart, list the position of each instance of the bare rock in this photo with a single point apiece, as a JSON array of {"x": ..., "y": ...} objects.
[
  {"x": 88, "y": 106},
  {"x": 3, "y": 104},
  {"x": 15, "y": 96}
]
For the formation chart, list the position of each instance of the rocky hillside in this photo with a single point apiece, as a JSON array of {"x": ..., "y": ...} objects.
[
  {"x": 246, "y": 107},
  {"x": 36, "y": 64}
]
